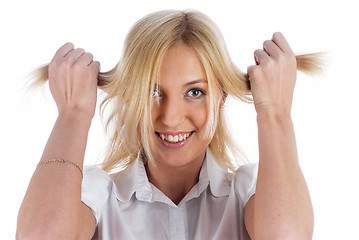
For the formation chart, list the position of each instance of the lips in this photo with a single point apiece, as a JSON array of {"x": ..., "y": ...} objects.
[{"x": 174, "y": 139}]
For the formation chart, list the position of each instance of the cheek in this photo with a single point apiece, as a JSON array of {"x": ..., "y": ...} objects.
[
  {"x": 154, "y": 113},
  {"x": 203, "y": 116},
  {"x": 199, "y": 114}
]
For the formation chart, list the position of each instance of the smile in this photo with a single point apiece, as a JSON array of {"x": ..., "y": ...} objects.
[{"x": 174, "y": 137}]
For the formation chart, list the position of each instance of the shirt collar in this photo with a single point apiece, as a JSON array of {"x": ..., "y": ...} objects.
[
  {"x": 220, "y": 179},
  {"x": 134, "y": 180}
]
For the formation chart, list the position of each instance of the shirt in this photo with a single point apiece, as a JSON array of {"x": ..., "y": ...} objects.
[{"x": 127, "y": 206}]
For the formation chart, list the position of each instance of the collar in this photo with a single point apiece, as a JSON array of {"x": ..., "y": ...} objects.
[
  {"x": 133, "y": 180},
  {"x": 220, "y": 179}
]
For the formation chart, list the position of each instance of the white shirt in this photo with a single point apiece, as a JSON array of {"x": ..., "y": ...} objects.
[{"x": 127, "y": 206}]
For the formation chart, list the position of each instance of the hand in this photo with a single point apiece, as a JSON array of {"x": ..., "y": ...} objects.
[
  {"x": 73, "y": 81},
  {"x": 273, "y": 77}
]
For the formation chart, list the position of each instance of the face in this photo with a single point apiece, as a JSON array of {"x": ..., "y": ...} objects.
[{"x": 180, "y": 109}]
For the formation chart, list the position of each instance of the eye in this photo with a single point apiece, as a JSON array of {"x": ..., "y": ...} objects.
[
  {"x": 156, "y": 93},
  {"x": 195, "y": 92}
]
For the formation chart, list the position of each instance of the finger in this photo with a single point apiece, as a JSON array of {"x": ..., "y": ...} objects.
[
  {"x": 64, "y": 49},
  {"x": 271, "y": 48},
  {"x": 95, "y": 65},
  {"x": 253, "y": 71},
  {"x": 260, "y": 56},
  {"x": 250, "y": 69},
  {"x": 281, "y": 42},
  {"x": 75, "y": 53},
  {"x": 86, "y": 58}
]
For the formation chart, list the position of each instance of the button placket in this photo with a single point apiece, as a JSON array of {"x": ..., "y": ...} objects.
[{"x": 177, "y": 223}]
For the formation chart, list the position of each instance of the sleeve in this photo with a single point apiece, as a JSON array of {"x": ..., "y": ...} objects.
[
  {"x": 96, "y": 189},
  {"x": 245, "y": 181}
]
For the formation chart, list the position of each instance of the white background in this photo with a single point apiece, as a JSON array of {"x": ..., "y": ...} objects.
[{"x": 325, "y": 110}]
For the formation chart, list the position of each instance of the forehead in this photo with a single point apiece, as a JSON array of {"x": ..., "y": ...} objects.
[{"x": 181, "y": 64}]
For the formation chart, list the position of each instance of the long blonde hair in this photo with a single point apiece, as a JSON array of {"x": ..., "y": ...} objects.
[{"x": 130, "y": 84}]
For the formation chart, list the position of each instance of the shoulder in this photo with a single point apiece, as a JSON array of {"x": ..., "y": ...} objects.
[
  {"x": 245, "y": 180},
  {"x": 95, "y": 178},
  {"x": 246, "y": 171},
  {"x": 96, "y": 188}
]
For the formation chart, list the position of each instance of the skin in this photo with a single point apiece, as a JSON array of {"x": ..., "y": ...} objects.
[
  {"x": 182, "y": 107},
  {"x": 51, "y": 210},
  {"x": 281, "y": 207}
]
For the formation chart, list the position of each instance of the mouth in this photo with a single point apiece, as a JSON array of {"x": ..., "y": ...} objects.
[{"x": 174, "y": 140}]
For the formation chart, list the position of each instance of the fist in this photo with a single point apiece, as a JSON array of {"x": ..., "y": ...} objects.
[
  {"x": 273, "y": 77},
  {"x": 73, "y": 81}
]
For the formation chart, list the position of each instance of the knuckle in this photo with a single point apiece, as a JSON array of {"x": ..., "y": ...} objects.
[
  {"x": 66, "y": 47},
  {"x": 69, "y": 45},
  {"x": 268, "y": 64},
  {"x": 286, "y": 58},
  {"x": 67, "y": 61},
  {"x": 95, "y": 66},
  {"x": 277, "y": 35},
  {"x": 282, "y": 57},
  {"x": 80, "y": 50},
  {"x": 253, "y": 72},
  {"x": 267, "y": 42},
  {"x": 76, "y": 66},
  {"x": 55, "y": 62},
  {"x": 250, "y": 70},
  {"x": 256, "y": 52},
  {"x": 90, "y": 55}
]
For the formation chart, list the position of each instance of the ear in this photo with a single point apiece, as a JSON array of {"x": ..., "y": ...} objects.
[{"x": 224, "y": 97}]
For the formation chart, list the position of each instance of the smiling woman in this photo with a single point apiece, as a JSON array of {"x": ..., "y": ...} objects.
[
  {"x": 180, "y": 111},
  {"x": 179, "y": 181}
]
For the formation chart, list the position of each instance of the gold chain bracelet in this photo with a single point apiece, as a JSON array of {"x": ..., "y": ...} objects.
[{"x": 61, "y": 160}]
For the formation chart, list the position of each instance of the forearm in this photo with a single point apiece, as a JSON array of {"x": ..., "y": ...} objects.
[
  {"x": 282, "y": 206},
  {"x": 52, "y": 202}
]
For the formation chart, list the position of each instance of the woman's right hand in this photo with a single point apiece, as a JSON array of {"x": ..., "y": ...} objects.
[
  {"x": 49, "y": 208},
  {"x": 73, "y": 81}
]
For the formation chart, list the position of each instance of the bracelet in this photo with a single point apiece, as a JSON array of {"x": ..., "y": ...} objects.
[{"x": 61, "y": 160}]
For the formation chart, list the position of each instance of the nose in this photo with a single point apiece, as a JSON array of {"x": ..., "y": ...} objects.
[{"x": 172, "y": 113}]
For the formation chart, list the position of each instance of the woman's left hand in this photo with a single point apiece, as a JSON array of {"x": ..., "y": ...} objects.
[{"x": 273, "y": 77}]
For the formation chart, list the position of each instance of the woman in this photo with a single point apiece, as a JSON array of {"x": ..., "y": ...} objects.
[{"x": 169, "y": 134}]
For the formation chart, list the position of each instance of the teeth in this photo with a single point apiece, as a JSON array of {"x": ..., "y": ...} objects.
[{"x": 175, "y": 138}]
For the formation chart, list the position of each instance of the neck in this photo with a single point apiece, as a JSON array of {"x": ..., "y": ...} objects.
[{"x": 174, "y": 182}]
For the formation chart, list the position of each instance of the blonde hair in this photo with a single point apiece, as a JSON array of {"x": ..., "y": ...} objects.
[{"x": 130, "y": 84}]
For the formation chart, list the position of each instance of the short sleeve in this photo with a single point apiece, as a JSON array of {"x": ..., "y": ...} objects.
[
  {"x": 96, "y": 189},
  {"x": 245, "y": 181}
]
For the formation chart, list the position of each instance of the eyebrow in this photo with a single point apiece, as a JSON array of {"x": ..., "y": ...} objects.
[
  {"x": 196, "y": 81},
  {"x": 191, "y": 82}
]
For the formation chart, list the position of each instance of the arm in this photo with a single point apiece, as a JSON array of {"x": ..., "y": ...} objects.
[
  {"x": 281, "y": 207},
  {"x": 52, "y": 207}
]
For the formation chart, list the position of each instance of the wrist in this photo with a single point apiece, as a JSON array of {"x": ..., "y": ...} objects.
[
  {"x": 273, "y": 110},
  {"x": 274, "y": 117},
  {"x": 75, "y": 118}
]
